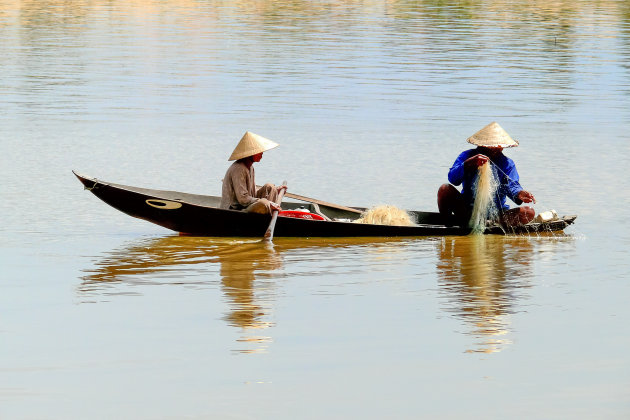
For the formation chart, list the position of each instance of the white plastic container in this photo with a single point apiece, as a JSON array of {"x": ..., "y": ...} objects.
[{"x": 546, "y": 216}]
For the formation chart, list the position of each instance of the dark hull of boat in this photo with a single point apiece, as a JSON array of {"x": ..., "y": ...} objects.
[{"x": 199, "y": 215}]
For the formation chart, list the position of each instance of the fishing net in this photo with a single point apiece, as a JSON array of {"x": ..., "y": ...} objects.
[
  {"x": 386, "y": 215},
  {"x": 484, "y": 207}
]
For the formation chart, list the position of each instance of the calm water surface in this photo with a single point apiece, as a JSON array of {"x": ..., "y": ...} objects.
[{"x": 105, "y": 316}]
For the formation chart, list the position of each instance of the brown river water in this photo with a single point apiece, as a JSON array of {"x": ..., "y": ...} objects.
[{"x": 104, "y": 316}]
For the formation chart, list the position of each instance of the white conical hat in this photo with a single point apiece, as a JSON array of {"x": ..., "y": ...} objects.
[
  {"x": 492, "y": 135},
  {"x": 250, "y": 145}
]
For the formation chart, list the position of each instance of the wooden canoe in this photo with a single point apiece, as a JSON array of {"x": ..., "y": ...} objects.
[{"x": 200, "y": 215}]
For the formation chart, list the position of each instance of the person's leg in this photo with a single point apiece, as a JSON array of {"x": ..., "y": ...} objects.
[
  {"x": 262, "y": 206},
  {"x": 268, "y": 191},
  {"x": 447, "y": 197},
  {"x": 450, "y": 202},
  {"x": 517, "y": 216}
]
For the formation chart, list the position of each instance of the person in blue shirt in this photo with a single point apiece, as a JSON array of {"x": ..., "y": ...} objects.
[{"x": 490, "y": 142}]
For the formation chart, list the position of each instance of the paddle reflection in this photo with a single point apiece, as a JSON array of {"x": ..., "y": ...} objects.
[{"x": 482, "y": 279}]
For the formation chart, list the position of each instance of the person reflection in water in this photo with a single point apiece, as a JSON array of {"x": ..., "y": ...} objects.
[
  {"x": 483, "y": 278},
  {"x": 243, "y": 278},
  {"x": 241, "y": 282}
]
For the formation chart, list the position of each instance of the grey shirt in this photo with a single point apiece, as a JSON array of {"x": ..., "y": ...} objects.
[{"x": 239, "y": 187}]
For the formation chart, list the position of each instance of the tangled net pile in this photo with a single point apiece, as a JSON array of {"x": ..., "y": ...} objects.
[{"x": 386, "y": 215}]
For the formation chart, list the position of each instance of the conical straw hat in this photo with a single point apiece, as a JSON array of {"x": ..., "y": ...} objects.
[
  {"x": 250, "y": 145},
  {"x": 492, "y": 135}
]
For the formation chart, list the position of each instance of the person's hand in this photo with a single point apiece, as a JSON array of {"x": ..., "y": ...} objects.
[
  {"x": 282, "y": 187},
  {"x": 275, "y": 206},
  {"x": 475, "y": 162},
  {"x": 526, "y": 197}
]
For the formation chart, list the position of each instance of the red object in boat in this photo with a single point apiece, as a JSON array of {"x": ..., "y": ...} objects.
[{"x": 300, "y": 215}]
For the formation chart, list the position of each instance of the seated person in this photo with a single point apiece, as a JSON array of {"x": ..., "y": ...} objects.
[
  {"x": 239, "y": 185},
  {"x": 490, "y": 142}
]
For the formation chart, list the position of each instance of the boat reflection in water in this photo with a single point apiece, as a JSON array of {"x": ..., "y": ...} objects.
[
  {"x": 484, "y": 280},
  {"x": 192, "y": 262},
  {"x": 245, "y": 271}
]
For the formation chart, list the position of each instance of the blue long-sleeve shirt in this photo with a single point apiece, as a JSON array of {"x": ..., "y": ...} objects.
[{"x": 506, "y": 175}]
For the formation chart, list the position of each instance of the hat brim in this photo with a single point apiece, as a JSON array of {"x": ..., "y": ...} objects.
[
  {"x": 492, "y": 135},
  {"x": 251, "y": 144}
]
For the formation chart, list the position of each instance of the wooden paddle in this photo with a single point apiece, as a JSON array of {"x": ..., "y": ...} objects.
[
  {"x": 268, "y": 236},
  {"x": 321, "y": 203}
]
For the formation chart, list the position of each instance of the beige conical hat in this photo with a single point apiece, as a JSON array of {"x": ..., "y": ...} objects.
[
  {"x": 250, "y": 145},
  {"x": 492, "y": 135}
]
